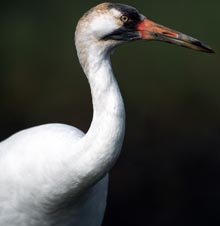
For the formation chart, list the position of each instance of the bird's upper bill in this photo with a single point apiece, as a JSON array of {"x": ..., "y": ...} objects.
[{"x": 149, "y": 30}]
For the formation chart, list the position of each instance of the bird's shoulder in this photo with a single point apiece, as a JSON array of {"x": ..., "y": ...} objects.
[{"x": 48, "y": 136}]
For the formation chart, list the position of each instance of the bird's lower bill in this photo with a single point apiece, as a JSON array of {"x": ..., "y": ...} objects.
[{"x": 150, "y": 30}]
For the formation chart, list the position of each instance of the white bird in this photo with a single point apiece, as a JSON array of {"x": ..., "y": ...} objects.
[{"x": 54, "y": 174}]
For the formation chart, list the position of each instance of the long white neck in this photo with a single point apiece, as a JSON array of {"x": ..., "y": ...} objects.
[{"x": 102, "y": 143}]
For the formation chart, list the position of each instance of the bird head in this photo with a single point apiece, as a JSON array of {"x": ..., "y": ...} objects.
[{"x": 111, "y": 24}]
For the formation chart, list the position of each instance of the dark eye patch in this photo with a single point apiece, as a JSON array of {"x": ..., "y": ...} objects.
[
  {"x": 127, "y": 32},
  {"x": 130, "y": 12}
]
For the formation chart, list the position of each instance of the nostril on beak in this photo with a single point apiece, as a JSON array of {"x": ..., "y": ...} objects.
[{"x": 166, "y": 33}]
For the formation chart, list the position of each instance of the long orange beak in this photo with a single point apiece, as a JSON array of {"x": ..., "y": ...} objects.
[{"x": 150, "y": 30}]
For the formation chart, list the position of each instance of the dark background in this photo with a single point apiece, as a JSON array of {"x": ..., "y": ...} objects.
[{"x": 169, "y": 169}]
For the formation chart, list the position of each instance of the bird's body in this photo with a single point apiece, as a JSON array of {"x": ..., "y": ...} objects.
[
  {"x": 55, "y": 175},
  {"x": 32, "y": 195}
]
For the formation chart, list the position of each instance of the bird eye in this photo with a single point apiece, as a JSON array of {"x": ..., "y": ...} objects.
[{"x": 124, "y": 18}]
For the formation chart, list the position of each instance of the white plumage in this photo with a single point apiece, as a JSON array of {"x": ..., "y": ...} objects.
[{"x": 55, "y": 174}]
